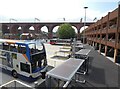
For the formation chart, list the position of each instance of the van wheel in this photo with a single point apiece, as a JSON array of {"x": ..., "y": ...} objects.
[{"x": 14, "y": 74}]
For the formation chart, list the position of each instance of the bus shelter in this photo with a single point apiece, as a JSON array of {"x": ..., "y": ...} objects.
[{"x": 65, "y": 73}]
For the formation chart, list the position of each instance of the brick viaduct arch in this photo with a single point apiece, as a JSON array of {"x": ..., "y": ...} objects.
[{"x": 13, "y": 28}]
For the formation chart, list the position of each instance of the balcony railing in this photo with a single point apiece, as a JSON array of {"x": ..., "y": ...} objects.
[
  {"x": 118, "y": 45},
  {"x": 103, "y": 41},
  {"x": 111, "y": 43},
  {"x": 113, "y": 26},
  {"x": 104, "y": 30},
  {"x": 112, "y": 29}
]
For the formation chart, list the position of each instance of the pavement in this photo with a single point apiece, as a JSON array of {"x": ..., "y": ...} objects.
[{"x": 103, "y": 73}]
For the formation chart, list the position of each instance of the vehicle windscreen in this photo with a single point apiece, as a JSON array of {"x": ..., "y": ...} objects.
[
  {"x": 35, "y": 47},
  {"x": 38, "y": 56},
  {"x": 38, "y": 61}
]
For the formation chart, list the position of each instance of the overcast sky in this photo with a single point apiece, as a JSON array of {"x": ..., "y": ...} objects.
[{"x": 54, "y": 10}]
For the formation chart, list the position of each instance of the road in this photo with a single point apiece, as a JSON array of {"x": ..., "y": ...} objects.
[{"x": 50, "y": 52}]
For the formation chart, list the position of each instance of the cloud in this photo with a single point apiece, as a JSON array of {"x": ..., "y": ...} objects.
[{"x": 47, "y": 10}]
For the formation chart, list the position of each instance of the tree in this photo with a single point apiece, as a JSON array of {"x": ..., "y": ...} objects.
[{"x": 65, "y": 31}]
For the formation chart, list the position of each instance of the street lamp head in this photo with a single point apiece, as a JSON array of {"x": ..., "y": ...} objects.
[{"x": 85, "y": 7}]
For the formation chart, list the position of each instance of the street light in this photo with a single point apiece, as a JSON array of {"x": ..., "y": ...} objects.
[
  {"x": 84, "y": 25},
  {"x": 64, "y": 19},
  {"x": 36, "y": 19},
  {"x": 12, "y": 19}
]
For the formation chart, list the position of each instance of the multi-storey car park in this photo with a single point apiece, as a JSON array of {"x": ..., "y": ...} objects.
[{"x": 105, "y": 35}]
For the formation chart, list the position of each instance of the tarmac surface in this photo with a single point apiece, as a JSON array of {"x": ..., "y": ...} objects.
[{"x": 103, "y": 73}]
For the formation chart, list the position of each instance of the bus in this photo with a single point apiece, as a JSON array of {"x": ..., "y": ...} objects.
[
  {"x": 23, "y": 57},
  {"x": 60, "y": 41}
]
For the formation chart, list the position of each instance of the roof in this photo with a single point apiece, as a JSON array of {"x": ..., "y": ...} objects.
[{"x": 17, "y": 41}]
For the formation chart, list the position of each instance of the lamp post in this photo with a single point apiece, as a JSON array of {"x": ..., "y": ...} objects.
[
  {"x": 64, "y": 19},
  {"x": 84, "y": 25},
  {"x": 36, "y": 19},
  {"x": 12, "y": 19}
]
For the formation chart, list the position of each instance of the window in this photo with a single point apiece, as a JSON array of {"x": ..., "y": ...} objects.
[
  {"x": 1, "y": 46},
  {"x": 39, "y": 46},
  {"x": 35, "y": 47},
  {"x": 14, "y": 56},
  {"x": 13, "y": 47},
  {"x": 25, "y": 67},
  {"x": 5, "y": 46},
  {"x": 22, "y": 49}
]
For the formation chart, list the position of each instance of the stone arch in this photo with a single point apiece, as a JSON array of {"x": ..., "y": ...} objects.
[
  {"x": 32, "y": 30},
  {"x": 44, "y": 32},
  {"x": 26, "y": 28},
  {"x": 44, "y": 29},
  {"x": 38, "y": 29},
  {"x": 82, "y": 28},
  {"x": 76, "y": 31},
  {"x": 54, "y": 31},
  {"x": 14, "y": 29},
  {"x": 5, "y": 29}
]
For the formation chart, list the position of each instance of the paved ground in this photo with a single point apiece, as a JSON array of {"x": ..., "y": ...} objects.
[
  {"x": 5, "y": 76},
  {"x": 102, "y": 73}
]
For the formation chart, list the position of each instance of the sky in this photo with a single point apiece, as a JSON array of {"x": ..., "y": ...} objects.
[{"x": 54, "y": 10}]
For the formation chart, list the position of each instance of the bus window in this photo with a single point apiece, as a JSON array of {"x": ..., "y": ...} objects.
[
  {"x": 3, "y": 53},
  {"x": 5, "y": 46},
  {"x": 1, "y": 46},
  {"x": 32, "y": 48},
  {"x": 25, "y": 67},
  {"x": 14, "y": 56},
  {"x": 13, "y": 47},
  {"x": 4, "y": 57},
  {"x": 39, "y": 46},
  {"x": 22, "y": 49}
]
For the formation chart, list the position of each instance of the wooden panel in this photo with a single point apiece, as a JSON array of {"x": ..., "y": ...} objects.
[
  {"x": 111, "y": 44},
  {"x": 98, "y": 32},
  {"x": 105, "y": 19},
  {"x": 98, "y": 40},
  {"x": 103, "y": 42},
  {"x": 113, "y": 14},
  {"x": 112, "y": 30},
  {"x": 104, "y": 31},
  {"x": 118, "y": 45}
]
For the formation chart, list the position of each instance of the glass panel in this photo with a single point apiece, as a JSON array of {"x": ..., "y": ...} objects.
[
  {"x": 32, "y": 48},
  {"x": 22, "y": 49},
  {"x": 14, "y": 56},
  {"x": 5, "y": 46},
  {"x": 25, "y": 67},
  {"x": 39, "y": 46}
]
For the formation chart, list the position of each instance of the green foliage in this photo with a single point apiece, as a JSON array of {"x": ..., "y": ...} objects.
[{"x": 65, "y": 31}]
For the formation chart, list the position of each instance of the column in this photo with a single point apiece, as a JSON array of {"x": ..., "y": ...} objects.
[
  {"x": 99, "y": 48},
  {"x": 105, "y": 50},
  {"x": 115, "y": 54}
]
